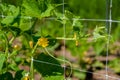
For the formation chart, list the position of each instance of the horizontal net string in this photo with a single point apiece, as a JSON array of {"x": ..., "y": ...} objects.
[{"x": 53, "y": 18}]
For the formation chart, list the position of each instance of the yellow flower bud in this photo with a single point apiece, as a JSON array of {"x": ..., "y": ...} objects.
[
  {"x": 17, "y": 47},
  {"x": 43, "y": 42},
  {"x": 88, "y": 60},
  {"x": 31, "y": 44},
  {"x": 76, "y": 43},
  {"x": 75, "y": 36}
]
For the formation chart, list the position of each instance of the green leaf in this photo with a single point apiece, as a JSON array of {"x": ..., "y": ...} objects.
[
  {"x": 2, "y": 59},
  {"x": 99, "y": 46},
  {"x": 60, "y": 17},
  {"x": 69, "y": 15},
  {"x": 25, "y": 24},
  {"x": 25, "y": 38},
  {"x": 31, "y": 8},
  {"x": 13, "y": 66},
  {"x": 58, "y": 14},
  {"x": 47, "y": 65},
  {"x": 76, "y": 22},
  {"x": 18, "y": 60},
  {"x": 77, "y": 26},
  {"x": 99, "y": 33},
  {"x": 97, "y": 36},
  {"x": 12, "y": 13},
  {"x": 115, "y": 65},
  {"x": 47, "y": 13}
]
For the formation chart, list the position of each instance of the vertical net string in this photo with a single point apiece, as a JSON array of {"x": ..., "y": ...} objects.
[
  {"x": 64, "y": 41},
  {"x": 107, "y": 14},
  {"x": 108, "y": 26}
]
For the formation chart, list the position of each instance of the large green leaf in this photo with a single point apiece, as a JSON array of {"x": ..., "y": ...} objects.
[
  {"x": 31, "y": 8},
  {"x": 47, "y": 13},
  {"x": 47, "y": 65},
  {"x": 25, "y": 24},
  {"x": 12, "y": 13},
  {"x": 2, "y": 59}
]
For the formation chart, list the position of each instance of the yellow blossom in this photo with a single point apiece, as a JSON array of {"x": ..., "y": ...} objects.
[
  {"x": 26, "y": 78},
  {"x": 43, "y": 42}
]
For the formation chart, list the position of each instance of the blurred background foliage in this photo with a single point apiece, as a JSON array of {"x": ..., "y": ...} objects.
[{"x": 91, "y": 38}]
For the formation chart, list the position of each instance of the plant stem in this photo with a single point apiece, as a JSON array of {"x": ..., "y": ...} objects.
[
  {"x": 31, "y": 70},
  {"x": 10, "y": 42},
  {"x": 31, "y": 65},
  {"x": 34, "y": 48},
  {"x": 6, "y": 48},
  {"x": 66, "y": 38}
]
